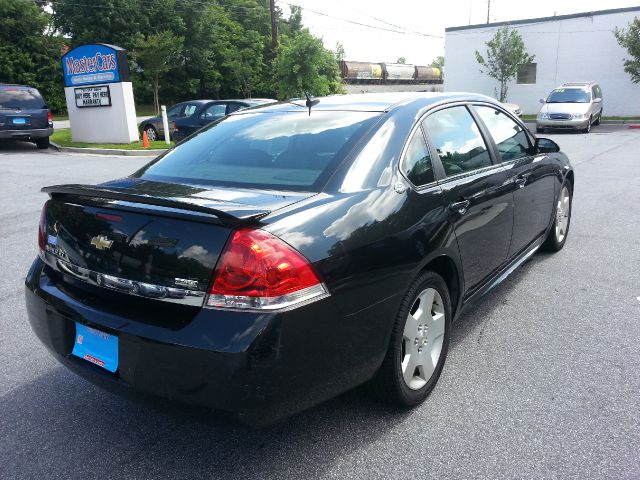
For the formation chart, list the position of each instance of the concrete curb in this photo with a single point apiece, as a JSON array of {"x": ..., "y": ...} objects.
[{"x": 107, "y": 151}]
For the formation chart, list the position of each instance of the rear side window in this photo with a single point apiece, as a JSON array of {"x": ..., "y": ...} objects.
[
  {"x": 416, "y": 163},
  {"x": 266, "y": 150},
  {"x": 457, "y": 140},
  {"x": 24, "y": 98},
  {"x": 510, "y": 138}
]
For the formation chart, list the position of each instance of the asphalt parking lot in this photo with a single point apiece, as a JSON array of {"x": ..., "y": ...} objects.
[{"x": 542, "y": 378}]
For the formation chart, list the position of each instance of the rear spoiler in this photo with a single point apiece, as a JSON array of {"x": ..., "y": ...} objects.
[{"x": 232, "y": 214}]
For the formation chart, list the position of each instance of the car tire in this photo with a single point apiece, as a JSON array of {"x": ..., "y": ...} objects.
[
  {"x": 409, "y": 370},
  {"x": 597, "y": 122},
  {"x": 588, "y": 127},
  {"x": 152, "y": 133},
  {"x": 42, "y": 143},
  {"x": 539, "y": 129},
  {"x": 557, "y": 235}
]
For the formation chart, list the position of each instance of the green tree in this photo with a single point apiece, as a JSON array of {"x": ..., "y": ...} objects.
[
  {"x": 402, "y": 60},
  {"x": 303, "y": 64},
  {"x": 156, "y": 55},
  {"x": 505, "y": 55},
  {"x": 29, "y": 52},
  {"x": 438, "y": 62},
  {"x": 630, "y": 39},
  {"x": 339, "y": 52}
]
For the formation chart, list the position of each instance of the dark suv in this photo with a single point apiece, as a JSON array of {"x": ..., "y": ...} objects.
[{"x": 24, "y": 115}]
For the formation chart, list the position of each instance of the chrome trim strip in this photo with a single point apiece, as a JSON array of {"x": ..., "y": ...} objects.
[{"x": 162, "y": 293}]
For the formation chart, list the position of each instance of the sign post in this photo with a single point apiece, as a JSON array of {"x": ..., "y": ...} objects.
[
  {"x": 165, "y": 124},
  {"x": 99, "y": 95}
]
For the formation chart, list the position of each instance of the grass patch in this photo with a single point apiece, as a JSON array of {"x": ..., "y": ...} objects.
[{"x": 63, "y": 138}]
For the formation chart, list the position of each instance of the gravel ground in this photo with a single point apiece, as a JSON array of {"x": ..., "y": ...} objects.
[{"x": 542, "y": 379}]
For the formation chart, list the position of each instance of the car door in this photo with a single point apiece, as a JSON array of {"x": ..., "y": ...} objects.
[
  {"x": 207, "y": 114},
  {"x": 531, "y": 178},
  {"x": 474, "y": 188}
]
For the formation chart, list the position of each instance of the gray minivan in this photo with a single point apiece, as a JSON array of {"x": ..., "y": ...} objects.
[
  {"x": 24, "y": 115},
  {"x": 576, "y": 105}
]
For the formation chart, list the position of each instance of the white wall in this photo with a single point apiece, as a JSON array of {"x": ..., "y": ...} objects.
[
  {"x": 574, "y": 49},
  {"x": 114, "y": 124}
]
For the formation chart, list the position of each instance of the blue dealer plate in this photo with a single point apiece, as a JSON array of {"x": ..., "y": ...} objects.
[
  {"x": 96, "y": 347},
  {"x": 20, "y": 121}
]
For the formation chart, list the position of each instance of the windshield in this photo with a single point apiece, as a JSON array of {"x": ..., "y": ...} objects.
[
  {"x": 292, "y": 150},
  {"x": 569, "y": 95},
  {"x": 23, "y": 98}
]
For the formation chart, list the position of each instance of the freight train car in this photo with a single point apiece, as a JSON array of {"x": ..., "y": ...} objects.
[{"x": 388, "y": 73}]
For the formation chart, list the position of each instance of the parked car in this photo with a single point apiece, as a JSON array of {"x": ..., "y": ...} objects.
[
  {"x": 289, "y": 253},
  {"x": 513, "y": 108},
  {"x": 24, "y": 115},
  {"x": 576, "y": 105},
  {"x": 211, "y": 111},
  {"x": 154, "y": 127}
]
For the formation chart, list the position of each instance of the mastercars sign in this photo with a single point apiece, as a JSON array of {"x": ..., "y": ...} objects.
[{"x": 94, "y": 64}]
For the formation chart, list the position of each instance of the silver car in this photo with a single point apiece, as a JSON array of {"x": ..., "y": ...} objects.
[{"x": 575, "y": 106}]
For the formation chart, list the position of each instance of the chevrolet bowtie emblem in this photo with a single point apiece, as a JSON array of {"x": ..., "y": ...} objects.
[{"x": 101, "y": 242}]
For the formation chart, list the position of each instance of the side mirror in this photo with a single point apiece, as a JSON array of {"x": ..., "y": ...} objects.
[
  {"x": 545, "y": 145},
  {"x": 597, "y": 100},
  {"x": 542, "y": 100}
]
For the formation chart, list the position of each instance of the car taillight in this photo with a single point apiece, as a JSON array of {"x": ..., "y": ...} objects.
[
  {"x": 42, "y": 227},
  {"x": 258, "y": 271},
  {"x": 49, "y": 116}
]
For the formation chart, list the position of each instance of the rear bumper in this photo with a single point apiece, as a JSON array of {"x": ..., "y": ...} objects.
[
  {"x": 25, "y": 133},
  {"x": 259, "y": 365}
]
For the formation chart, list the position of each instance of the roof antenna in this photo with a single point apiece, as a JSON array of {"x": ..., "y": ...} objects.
[{"x": 310, "y": 103}]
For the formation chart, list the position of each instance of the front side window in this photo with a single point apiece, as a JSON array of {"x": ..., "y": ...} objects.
[
  {"x": 510, "y": 138},
  {"x": 264, "y": 150},
  {"x": 456, "y": 138},
  {"x": 416, "y": 163}
]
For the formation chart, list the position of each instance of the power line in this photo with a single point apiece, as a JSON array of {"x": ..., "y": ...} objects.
[{"x": 353, "y": 22}]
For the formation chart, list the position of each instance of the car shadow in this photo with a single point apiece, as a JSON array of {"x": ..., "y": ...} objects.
[{"x": 12, "y": 146}]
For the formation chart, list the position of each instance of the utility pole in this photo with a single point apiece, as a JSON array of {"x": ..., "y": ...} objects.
[
  {"x": 488, "y": 9},
  {"x": 274, "y": 27}
]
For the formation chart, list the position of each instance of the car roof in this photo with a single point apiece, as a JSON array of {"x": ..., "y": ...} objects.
[
  {"x": 578, "y": 84},
  {"x": 376, "y": 102}
]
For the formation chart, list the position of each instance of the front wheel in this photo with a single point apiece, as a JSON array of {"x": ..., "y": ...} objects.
[
  {"x": 587, "y": 129},
  {"x": 557, "y": 236},
  {"x": 599, "y": 119},
  {"x": 418, "y": 345}
]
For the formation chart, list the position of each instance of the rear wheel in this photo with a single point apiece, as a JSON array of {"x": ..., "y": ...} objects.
[
  {"x": 42, "y": 143},
  {"x": 557, "y": 236},
  {"x": 152, "y": 133},
  {"x": 418, "y": 345}
]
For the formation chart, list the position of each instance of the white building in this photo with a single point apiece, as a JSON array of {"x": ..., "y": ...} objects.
[{"x": 567, "y": 48}]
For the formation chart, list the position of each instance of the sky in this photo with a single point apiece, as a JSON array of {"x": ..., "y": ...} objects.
[{"x": 384, "y": 30}]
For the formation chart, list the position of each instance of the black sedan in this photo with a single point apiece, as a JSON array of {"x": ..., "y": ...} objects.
[
  {"x": 154, "y": 127},
  {"x": 289, "y": 253},
  {"x": 208, "y": 112}
]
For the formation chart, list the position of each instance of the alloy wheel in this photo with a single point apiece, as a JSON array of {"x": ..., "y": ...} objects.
[
  {"x": 151, "y": 133},
  {"x": 422, "y": 338}
]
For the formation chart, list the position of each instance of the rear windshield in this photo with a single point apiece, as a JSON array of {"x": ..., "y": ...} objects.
[
  {"x": 569, "y": 95},
  {"x": 291, "y": 150},
  {"x": 24, "y": 98}
]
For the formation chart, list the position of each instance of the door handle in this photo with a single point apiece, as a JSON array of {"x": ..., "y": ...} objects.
[
  {"x": 460, "y": 207},
  {"x": 521, "y": 180}
]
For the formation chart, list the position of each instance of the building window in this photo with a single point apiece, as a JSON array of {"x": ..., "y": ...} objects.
[{"x": 527, "y": 73}]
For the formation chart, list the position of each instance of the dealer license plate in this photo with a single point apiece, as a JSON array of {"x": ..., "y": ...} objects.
[
  {"x": 97, "y": 347},
  {"x": 19, "y": 121}
]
